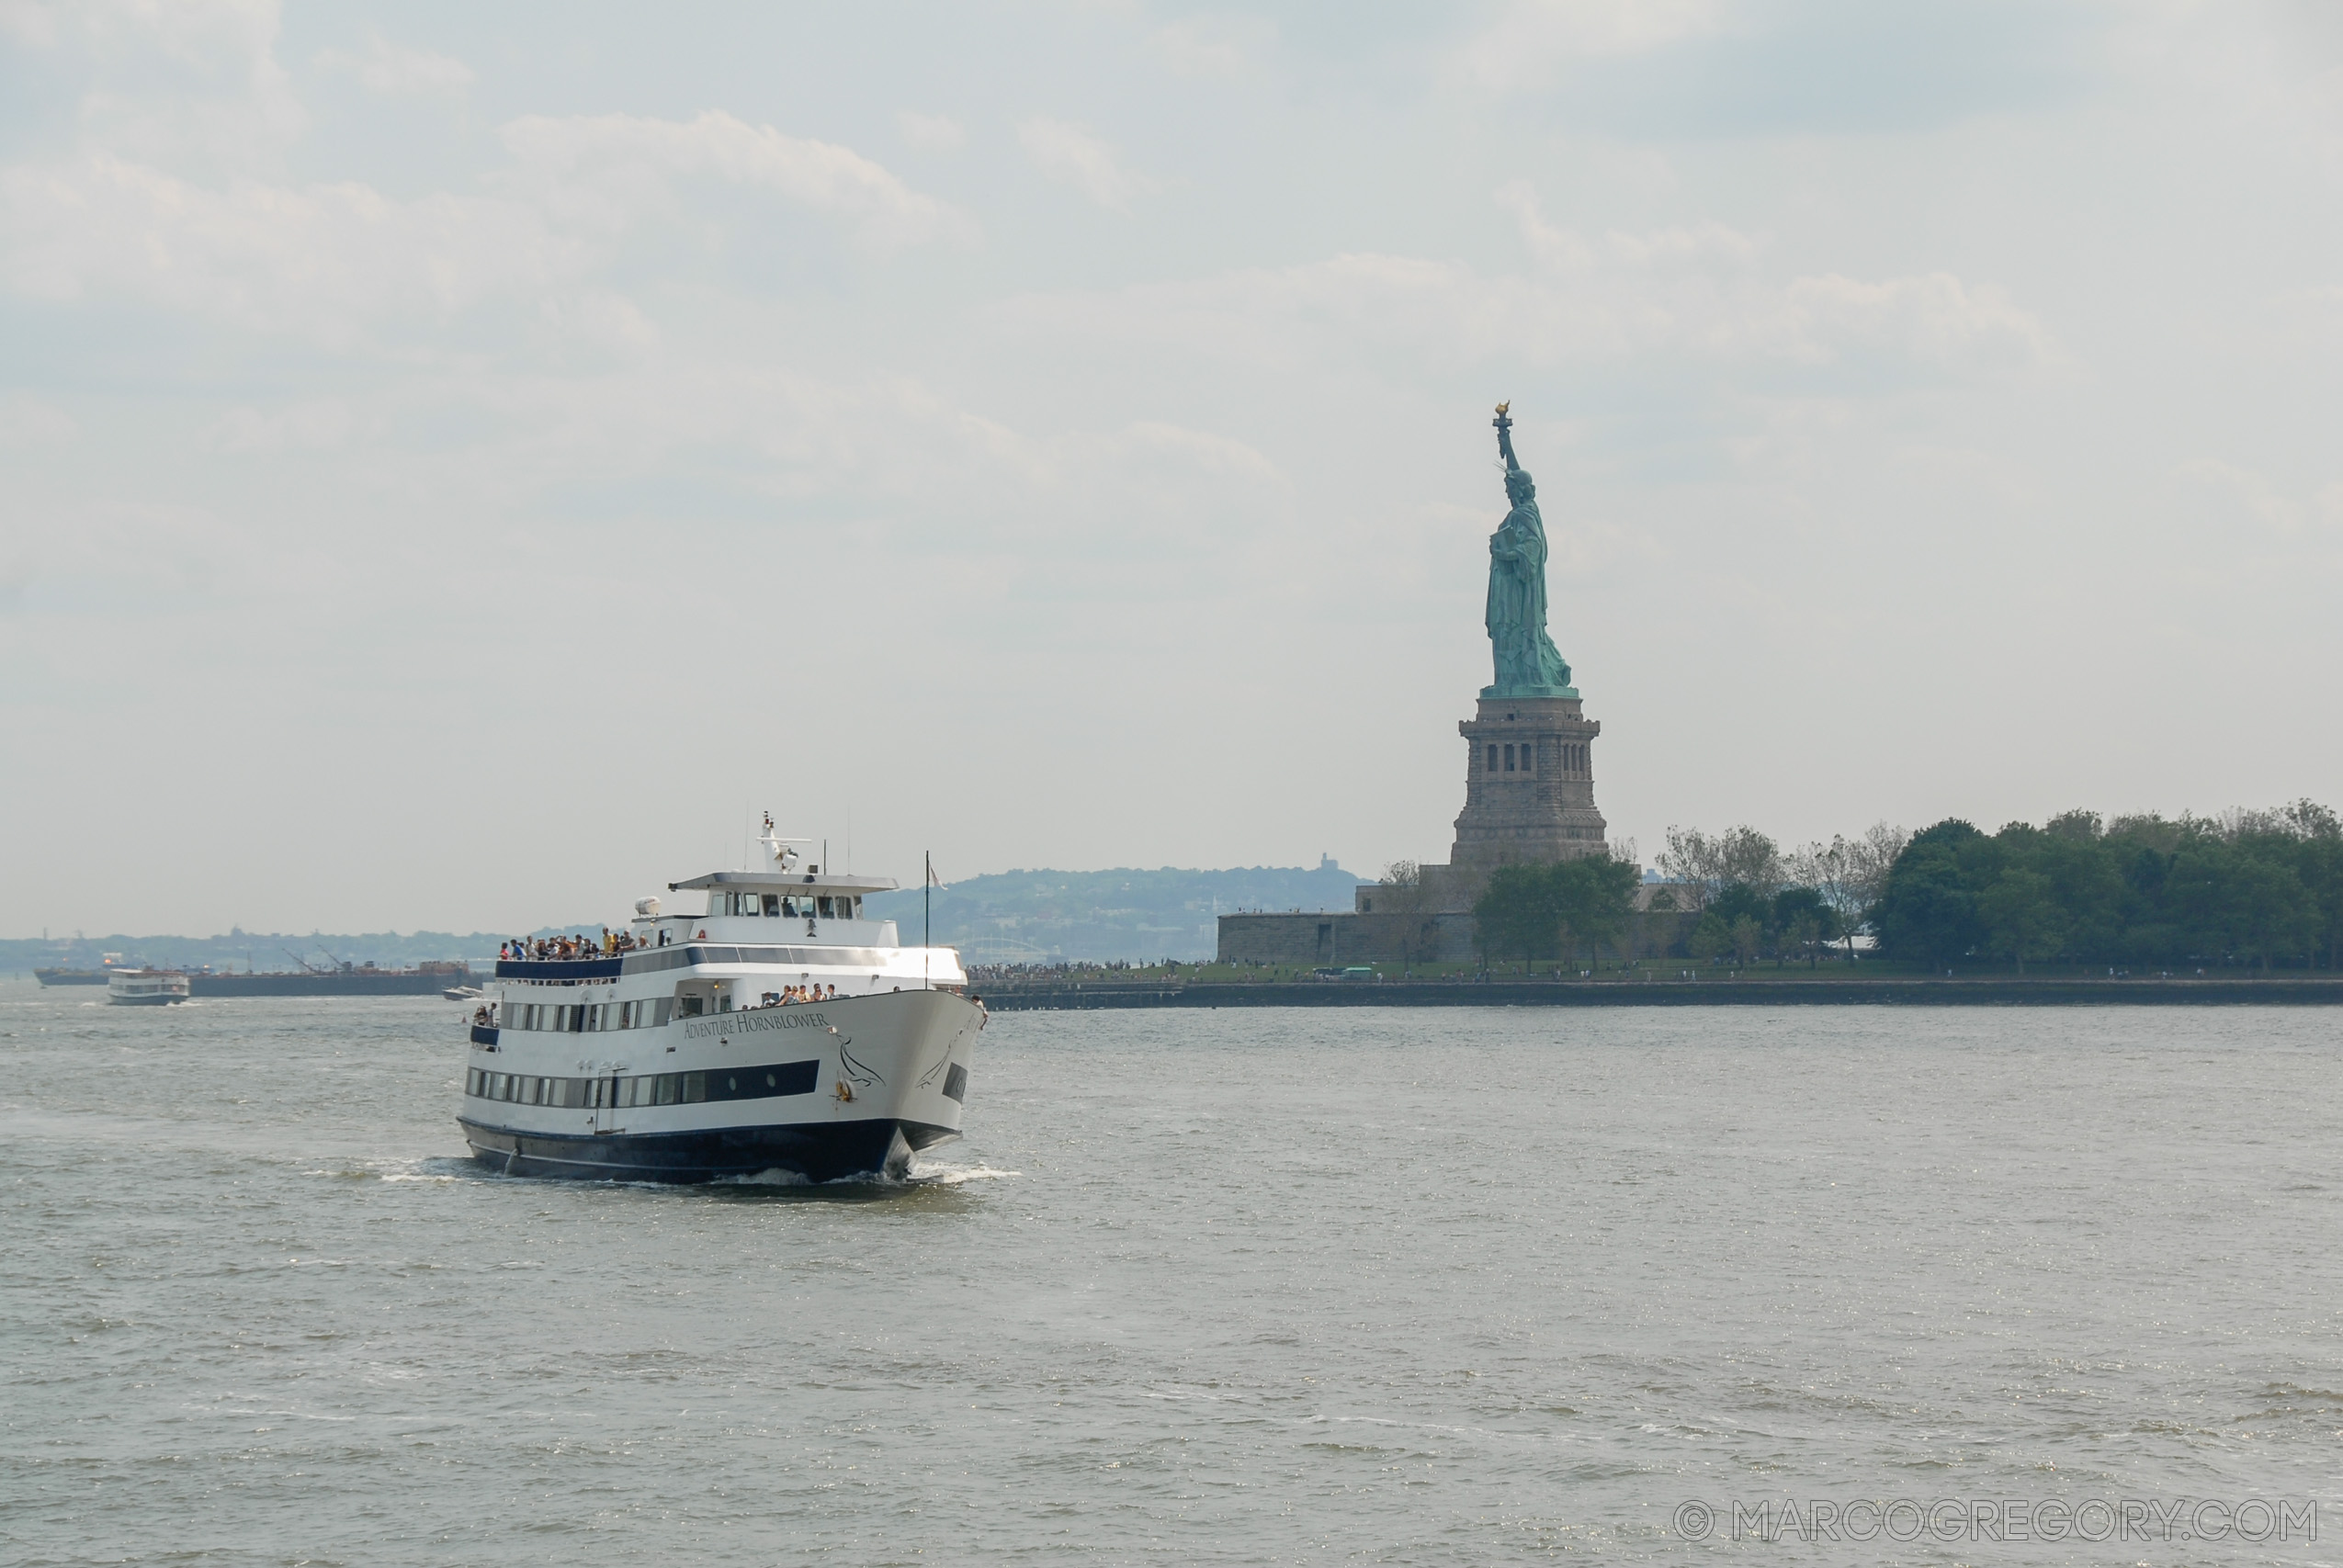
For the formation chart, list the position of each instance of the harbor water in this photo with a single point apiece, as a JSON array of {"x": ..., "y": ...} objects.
[{"x": 1248, "y": 1286}]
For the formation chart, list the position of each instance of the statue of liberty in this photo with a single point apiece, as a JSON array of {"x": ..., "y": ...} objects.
[{"x": 1528, "y": 665}]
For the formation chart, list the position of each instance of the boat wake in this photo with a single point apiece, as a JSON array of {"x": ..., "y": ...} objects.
[
  {"x": 956, "y": 1175},
  {"x": 920, "y": 1175}
]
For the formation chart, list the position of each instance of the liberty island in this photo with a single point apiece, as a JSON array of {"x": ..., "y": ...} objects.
[{"x": 1528, "y": 777}]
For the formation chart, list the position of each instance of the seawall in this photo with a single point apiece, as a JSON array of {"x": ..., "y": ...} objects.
[{"x": 2282, "y": 992}]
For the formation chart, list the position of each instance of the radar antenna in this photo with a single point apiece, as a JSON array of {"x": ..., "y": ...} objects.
[{"x": 777, "y": 852}]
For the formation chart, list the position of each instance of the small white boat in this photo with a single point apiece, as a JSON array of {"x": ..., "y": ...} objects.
[
  {"x": 145, "y": 987},
  {"x": 463, "y": 993}
]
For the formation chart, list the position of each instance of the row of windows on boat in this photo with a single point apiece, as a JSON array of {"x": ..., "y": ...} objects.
[
  {"x": 583, "y": 1018},
  {"x": 788, "y": 906},
  {"x": 1571, "y": 754},
  {"x": 615, "y": 1091},
  {"x": 651, "y": 1012}
]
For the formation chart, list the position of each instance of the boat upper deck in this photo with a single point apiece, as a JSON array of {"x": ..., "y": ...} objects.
[{"x": 689, "y": 955}]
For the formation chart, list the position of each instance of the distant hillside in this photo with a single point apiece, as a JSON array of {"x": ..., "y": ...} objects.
[
  {"x": 1007, "y": 917},
  {"x": 252, "y": 950},
  {"x": 1036, "y": 916}
]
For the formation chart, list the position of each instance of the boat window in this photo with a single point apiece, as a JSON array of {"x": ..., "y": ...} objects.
[
  {"x": 821, "y": 908},
  {"x": 667, "y": 1089},
  {"x": 662, "y": 1011},
  {"x": 695, "y": 1088},
  {"x": 772, "y": 903}
]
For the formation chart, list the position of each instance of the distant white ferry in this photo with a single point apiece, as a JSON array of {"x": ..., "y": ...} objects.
[
  {"x": 777, "y": 1030},
  {"x": 145, "y": 987}
]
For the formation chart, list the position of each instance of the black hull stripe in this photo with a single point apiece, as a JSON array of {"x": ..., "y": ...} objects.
[{"x": 820, "y": 1151}]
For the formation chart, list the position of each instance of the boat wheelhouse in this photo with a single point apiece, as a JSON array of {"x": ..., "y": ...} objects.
[{"x": 778, "y": 1029}]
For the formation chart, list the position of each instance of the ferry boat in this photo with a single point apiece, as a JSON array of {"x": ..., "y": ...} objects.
[
  {"x": 778, "y": 1030},
  {"x": 145, "y": 987}
]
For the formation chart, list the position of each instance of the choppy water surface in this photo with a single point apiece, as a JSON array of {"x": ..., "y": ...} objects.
[{"x": 1420, "y": 1287}]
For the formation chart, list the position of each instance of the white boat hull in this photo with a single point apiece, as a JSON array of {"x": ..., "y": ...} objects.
[{"x": 844, "y": 1088}]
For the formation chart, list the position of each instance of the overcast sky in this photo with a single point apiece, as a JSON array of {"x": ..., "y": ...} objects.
[{"x": 461, "y": 460}]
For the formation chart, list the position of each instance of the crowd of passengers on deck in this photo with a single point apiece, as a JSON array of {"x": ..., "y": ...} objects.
[
  {"x": 789, "y": 995},
  {"x": 547, "y": 949}
]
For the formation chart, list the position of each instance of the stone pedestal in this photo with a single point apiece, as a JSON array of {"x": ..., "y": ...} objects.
[{"x": 1529, "y": 785}]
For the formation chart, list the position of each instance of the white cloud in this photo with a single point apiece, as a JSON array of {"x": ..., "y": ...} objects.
[
  {"x": 1071, "y": 155},
  {"x": 1604, "y": 309},
  {"x": 931, "y": 133},
  {"x": 601, "y": 169},
  {"x": 1520, "y": 50},
  {"x": 28, "y": 22},
  {"x": 1227, "y": 48},
  {"x": 184, "y": 84},
  {"x": 388, "y": 69},
  {"x": 26, "y": 421},
  {"x": 317, "y": 260},
  {"x": 326, "y": 261},
  {"x": 1934, "y": 319},
  {"x": 2280, "y": 514},
  {"x": 319, "y": 426}
]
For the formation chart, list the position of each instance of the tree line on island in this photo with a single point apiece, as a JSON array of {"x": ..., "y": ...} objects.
[{"x": 2260, "y": 888}]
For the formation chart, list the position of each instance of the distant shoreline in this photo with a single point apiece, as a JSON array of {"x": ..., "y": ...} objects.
[{"x": 1808, "y": 992}]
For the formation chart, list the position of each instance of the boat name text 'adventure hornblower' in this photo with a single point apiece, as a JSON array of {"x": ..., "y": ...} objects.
[{"x": 779, "y": 1031}]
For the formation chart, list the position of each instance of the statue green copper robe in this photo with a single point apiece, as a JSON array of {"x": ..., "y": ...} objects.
[{"x": 1528, "y": 664}]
